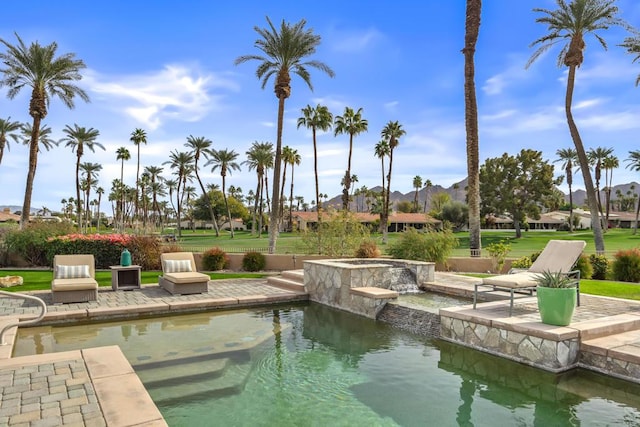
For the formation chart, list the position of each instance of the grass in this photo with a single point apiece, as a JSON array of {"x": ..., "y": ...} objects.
[{"x": 38, "y": 280}]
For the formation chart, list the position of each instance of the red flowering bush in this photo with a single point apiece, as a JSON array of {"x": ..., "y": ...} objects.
[{"x": 106, "y": 248}]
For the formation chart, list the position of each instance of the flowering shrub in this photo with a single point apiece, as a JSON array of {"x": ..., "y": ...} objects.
[{"x": 106, "y": 248}]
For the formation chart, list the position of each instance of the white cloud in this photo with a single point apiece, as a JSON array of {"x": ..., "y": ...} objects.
[
  {"x": 587, "y": 103},
  {"x": 355, "y": 41},
  {"x": 515, "y": 72}
]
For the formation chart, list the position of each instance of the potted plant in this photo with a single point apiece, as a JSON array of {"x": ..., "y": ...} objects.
[{"x": 557, "y": 297}]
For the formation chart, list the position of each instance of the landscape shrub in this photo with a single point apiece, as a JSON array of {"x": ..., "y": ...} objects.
[
  {"x": 31, "y": 243},
  {"x": 498, "y": 252},
  {"x": 106, "y": 248},
  {"x": 214, "y": 259},
  {"x": 523, "y": 262},
  {"x": 145, "y": 252},
  {"x": 584, "y": 266},
  {"x": 626, "y": 266},
  {"x": 340, "y": 234},
  {"x": 253, "y": 261},
  {"x": 600, "y": 265},
  {"x": 433, "y": 246},
  {"x": 368, "y": 249}
]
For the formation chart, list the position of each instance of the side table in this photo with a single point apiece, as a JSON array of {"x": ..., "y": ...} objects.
[{"x": 125, "y": 278}]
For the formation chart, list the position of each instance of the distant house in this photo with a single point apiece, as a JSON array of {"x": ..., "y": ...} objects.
[
  {"x": 6, "y": 216},
  {"x": 397, "y": 221}
]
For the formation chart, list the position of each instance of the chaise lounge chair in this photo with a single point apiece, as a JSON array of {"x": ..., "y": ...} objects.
[
  {"x": 557, "y": 256},
  {"x": 74, "y": 279},
  {"x": 180, "y": 276}
]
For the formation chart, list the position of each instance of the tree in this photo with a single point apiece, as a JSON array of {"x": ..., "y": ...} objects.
[
  {"x": 352, "y": 123},
  {"x": 318, "y": 118},
  {"x": 287, "y": 153},
  {"x": 138, "y": 137},
  {"x": 472, "y": 29},
  {"x": 294, "y": 160},
  {"x": 224, "y": 160},
  {"x": 517, "y": 185},
  {"x": 78, "y": 138},
  {"x": 381, "y": 151},
  {"x": 122, "y": 154},
  {"x": 455, "y": 213},
  {"x": 427, "y": 187},
  {"x": 417, "y": 185},
  {"x": 99, "y": 192},
  {"x": 632, "y": 44},
  {"x": 90, "y": 172},
  {"x": 182, "y": 163},
  {"x": 284, "y": 53},
  {"x": 392, "y": 132},
  {"x": 8, "y": 130},
  {"x": 609, "y": 164},
  {"x": 157, "y": 189},
  {"x": 570, "y": 23},
  {"x": 38, "y": 68},
  {"x": 569, "y": 157},
  {"x": 260, "y": 158},
  {"x": 201, "y": 146},
  {"x": 595, "y": 158},
  {"x": 633, "y": 163}
]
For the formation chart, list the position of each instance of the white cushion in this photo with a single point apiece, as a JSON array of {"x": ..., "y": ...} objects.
[
  {"x": 72, "y": 272},
  {"x": 177, "y": 266}
]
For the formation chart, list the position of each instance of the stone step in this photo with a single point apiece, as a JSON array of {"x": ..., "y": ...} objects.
[
  {"x": 607, "y": 326},
  {"x": 297, "y": 275},
  {"x": 283, "y": 283},
  {"x": 617, "y": 355}
]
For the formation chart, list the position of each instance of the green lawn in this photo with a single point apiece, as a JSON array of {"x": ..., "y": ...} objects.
[{"x": 36, "y": 280}]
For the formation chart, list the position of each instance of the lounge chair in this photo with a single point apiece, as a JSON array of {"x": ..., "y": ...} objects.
[
  {"x": 557, "y": 256},
  {"x": 74, "y": 279},
  {"x": 180, "y": 276}
]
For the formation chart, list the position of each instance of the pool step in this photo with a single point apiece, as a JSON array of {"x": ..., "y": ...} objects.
[
  {"x": 292, "y": 280},
  {"x": 617, "y": 354}
]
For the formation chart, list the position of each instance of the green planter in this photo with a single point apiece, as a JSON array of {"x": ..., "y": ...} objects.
[{"x": 556, "y": 305}]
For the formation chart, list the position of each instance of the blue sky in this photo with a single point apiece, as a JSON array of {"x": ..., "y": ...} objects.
[{"x": 169, "y": 69}]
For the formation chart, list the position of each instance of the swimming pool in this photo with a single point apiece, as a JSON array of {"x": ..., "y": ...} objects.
[{"x": 309, "y": 365}]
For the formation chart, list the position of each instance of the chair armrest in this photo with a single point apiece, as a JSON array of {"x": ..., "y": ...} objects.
[
  {"x": 575, "y": 274},
  {"x": 517, "y": 270}
]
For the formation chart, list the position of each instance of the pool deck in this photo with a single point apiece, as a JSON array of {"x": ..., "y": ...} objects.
[{"x": 98, "y": 387}]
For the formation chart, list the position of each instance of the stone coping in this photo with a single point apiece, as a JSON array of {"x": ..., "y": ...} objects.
[
  {"x": 375, "y": 293},
  {"x": 355, "y": 263}
]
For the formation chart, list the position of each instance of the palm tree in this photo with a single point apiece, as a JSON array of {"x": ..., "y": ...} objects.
[
  {"x": 318, "y": 118},
  {"x": 138, "y": 137},
  {"x": 224, "y": 160},
  {"x": 633, "y": 163},
  {"x": 417, "y": 184},
  {"x": 182, "y": 162},
  {"x": 284, "y": 53},
  {"x": 294, "y": 160},
  {"x": 569, "y": 157},
  {"x": 201, "y": 146},
  {"x": 260, "y": 158},
  {"x": 156, "y": 189},
  {"x": 122, "y": 154},
  {"x": 38, "y": 68},
  {"x": 382, "y": 150},
  {"x": 427, "y": 186},
  {"x": 472, "y": 29},
  {"x": 392, "y": 132},
  {"x": 570, "y": 23},
  {"x": 286, "y": 160},
  {"x": 609, "y": 163},
  {"x": 90, "y": 172},
  {"x": 632, "y": 44},
  {"x": 350, "y": 122},
  {"x": 99, "y": 192},
  {"x": 8, "y": 130},
  {"x": 77, "y": 138},
  {"x": 595, "y": 157}
]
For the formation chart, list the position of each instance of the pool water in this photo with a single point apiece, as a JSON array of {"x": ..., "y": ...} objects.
[{"x": 309, "y": 365}]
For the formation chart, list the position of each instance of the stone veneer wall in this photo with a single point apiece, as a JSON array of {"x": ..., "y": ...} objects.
[
  {"x": 419, "y": 322},
  {"x": 330, "y": 282},
  {"x": 605, "y": 364},
  {"x": 555, "y": 355}
]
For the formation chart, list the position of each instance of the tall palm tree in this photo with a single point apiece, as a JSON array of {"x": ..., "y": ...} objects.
[
  {"x": 285, "y": 52},
  {"x": 352, "y": 123},
  {"x": 99, "y": 192},
  {"x": 633, "y": 163},
  {"x": 427, "y": 186},
  {"x": 392, "y": 132},
  {"x": 90, "y": 174},
  {"x": 316, "y": 118},
  {"x": 182, "y": 163},
  {"x": 569, "y": 24},
  {"x": 596, "y": 157},
  {"x": 632, "y": 44},
  {"x": 260, "y": 158},
  {"x": 294, "y": 160},
  {"x": 225, "y": 160},
  {"x": 382, "y": 150},
  {"x": 201, "y": 146},
  {"x": 122, "y": 154},
  {"x": 609, "y": 163},
  {"x": 286, "y": 157},
  {"x": 569, "y": 157},
  {"x": 417, "y": 184},
  {"x": 8, "y": 130},
  {"x": 138, "y": 137},
  {"x": 156, "y": 188},
  {"x": 472, "y": 29},
  {"x": 77, "y": 138},
  {"x": 37, "y": 68}
]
